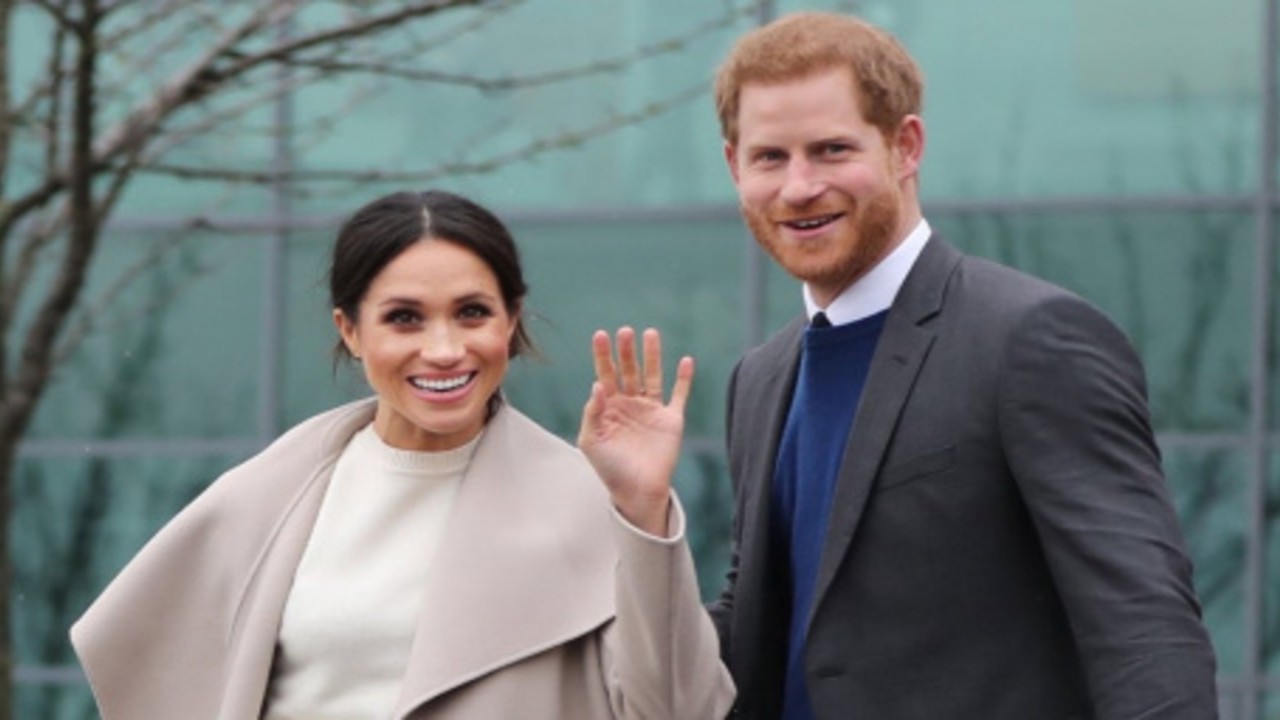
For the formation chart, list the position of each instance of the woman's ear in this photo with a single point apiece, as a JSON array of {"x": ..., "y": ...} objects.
[{"x": 348, "y": 331}]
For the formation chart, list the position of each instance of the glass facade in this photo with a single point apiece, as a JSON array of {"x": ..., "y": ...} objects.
[{"x": 1124, "y": 153}]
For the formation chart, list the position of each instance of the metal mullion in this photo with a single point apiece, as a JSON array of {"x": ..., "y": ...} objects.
[
  {"x": 274, "y": 292},
  {"x": 1264, "y": 208}
]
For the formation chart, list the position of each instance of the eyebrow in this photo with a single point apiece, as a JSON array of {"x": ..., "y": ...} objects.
[{"x": 414, "y": 302}]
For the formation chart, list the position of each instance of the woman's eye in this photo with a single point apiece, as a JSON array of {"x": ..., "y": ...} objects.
[
  {"x": 474, "y": 312},
  {"x": 401, "y": 317}
]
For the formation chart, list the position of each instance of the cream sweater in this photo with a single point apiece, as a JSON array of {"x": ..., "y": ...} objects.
[{"x": 348, "y": 625}]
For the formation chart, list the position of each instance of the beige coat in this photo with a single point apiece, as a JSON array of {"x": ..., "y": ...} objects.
[{"x": 542, "y": 604}]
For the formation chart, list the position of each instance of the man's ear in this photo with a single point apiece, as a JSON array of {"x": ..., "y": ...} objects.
[
  {"x": 731, "y": 157},
  {"x": 908, "y": 146},
  {"x": 347, "y": 331}
]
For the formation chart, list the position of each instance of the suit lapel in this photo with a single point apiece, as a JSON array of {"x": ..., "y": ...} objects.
[
  {"x": 524, "y": 564},
  {"x": 762, "y": 397},
  {"x": 904, "y": 344},
  {"x": 764, "y": 405}
]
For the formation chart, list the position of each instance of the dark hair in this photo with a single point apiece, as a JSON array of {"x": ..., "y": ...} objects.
[{"x": 378, "y": 232}]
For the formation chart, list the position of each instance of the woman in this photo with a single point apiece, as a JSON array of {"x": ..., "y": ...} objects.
[{"x": 429, "y": 552}]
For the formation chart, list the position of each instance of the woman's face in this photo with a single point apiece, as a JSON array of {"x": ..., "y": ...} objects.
[{"x": 433, "y": 335}]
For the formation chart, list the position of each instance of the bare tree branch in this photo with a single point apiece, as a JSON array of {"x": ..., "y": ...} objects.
[
  {"x": 38, "y": 238},
  {"x": 53, "y": 133},
  {"x": 111, "y": 45},
  {"x": 58, "y": 13},
  {"x": 34, "y": 368},
  {"x": 188, "y": 84},
  {"x": 6, "y": 118},
  {"x": 493, "y": 11},
  {"x": 604, "y": 66},
  {"x": 290, "y": 48},
  {"x": 6, "y": 140},
  {"x": 536, "y": 147},
  {"x": 91, "y": 315}
]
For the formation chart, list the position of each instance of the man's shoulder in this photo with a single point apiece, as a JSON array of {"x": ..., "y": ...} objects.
[{"x": 776, "y": 349}]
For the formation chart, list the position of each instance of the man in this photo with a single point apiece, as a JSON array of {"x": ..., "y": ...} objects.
[{"x": 949, "y": 502}]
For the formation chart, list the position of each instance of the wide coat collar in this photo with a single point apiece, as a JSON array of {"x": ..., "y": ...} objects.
[{"x": 188, "y": 628}]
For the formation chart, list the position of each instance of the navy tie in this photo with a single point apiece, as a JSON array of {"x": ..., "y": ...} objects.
[{"x": 820, "y": 320}]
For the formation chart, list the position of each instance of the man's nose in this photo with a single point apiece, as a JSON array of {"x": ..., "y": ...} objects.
[{"x": 802, "y": 183}]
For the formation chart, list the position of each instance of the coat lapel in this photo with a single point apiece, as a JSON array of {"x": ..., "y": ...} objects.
[
  {"x": 257, "y": 624},
  {"x": 521, "y": 567},
  {"x": 902, "y": 349}
]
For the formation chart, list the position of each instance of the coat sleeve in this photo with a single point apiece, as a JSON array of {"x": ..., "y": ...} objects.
[
  {"x": 661, "y": 654},
  {"x": 1074, "y": 421}
]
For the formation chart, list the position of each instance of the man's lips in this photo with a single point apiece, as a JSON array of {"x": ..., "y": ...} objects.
[{"x": 811, "y": 222}]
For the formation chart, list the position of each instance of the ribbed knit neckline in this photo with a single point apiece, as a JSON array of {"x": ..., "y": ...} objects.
[{"x": 422, "y": 463}]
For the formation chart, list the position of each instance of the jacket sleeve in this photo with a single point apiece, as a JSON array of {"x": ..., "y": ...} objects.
[
  {"x": 661, "y": 654},
  {"x": 721, "y": 609},
  {"x": 1074, "y": 421}
]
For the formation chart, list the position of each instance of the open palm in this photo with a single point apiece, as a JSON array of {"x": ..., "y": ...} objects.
[{"x": 629, "y": 434}]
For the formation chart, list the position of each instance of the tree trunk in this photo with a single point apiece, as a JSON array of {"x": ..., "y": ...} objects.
[{"x": 8, "y": 447}]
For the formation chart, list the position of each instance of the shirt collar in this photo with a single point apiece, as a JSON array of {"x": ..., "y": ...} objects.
[{"x": 874, "y": 292}]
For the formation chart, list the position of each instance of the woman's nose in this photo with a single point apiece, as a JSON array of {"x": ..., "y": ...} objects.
[{"x": 442, "y": 345}]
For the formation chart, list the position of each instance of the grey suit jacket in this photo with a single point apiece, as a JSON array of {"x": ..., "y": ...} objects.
[
  {"x": 1001, "y": 542},
  {"x": 542, "y": 603}
]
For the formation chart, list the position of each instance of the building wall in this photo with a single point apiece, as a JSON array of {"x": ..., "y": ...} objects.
[{"x": 1122, "y": 148}]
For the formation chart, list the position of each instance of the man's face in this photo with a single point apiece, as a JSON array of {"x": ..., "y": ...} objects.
[{"x": 820, "y": 188}]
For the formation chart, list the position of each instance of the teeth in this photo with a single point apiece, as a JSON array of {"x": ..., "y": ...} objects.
[
  {"x": 812, "y": 223},
  {"x": 441, "y": 385}
]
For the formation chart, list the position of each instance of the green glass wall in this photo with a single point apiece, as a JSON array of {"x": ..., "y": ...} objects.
[{"x": 1123, "y": 151}]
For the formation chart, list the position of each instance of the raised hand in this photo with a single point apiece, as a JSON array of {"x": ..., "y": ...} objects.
[{"x": 629, "y": 433}]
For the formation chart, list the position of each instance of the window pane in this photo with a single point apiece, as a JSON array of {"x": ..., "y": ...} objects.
[
  {"x": 1177, "y": 283},
  {"x": 175, "y": 354},
  {"x": 566, "y": 143},
  {"x": 1273, "y": 328},
  {"x": 1209, "y": 492},
  {"x": 1271, "y": 573},
  {"x": 702, "y": 481},
  {"x": 55, "y": 702},
  {"x": 682, "y": 277},
  {"x": 76, "y": 522}
]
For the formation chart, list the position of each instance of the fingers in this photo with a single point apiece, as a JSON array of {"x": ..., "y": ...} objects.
[
  {"x": 653, "y": 364},
  {"x": 591, "y": 413},
  {"x": 684, "y": 383},
  {"x": 630, "y": 371},
  {"x": 631, "y": 376},
  {"x": 602, "y": 356}
]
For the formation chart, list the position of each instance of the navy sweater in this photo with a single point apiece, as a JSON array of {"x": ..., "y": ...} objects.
[{"x": 833, "y": 370}]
